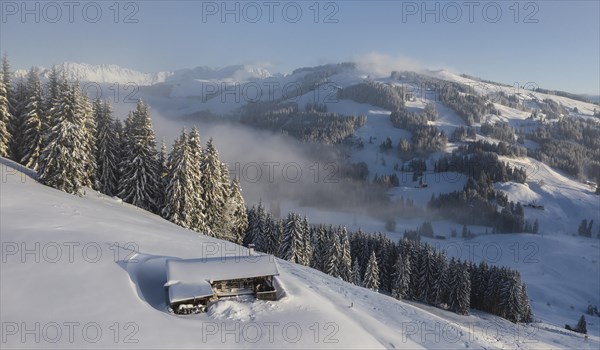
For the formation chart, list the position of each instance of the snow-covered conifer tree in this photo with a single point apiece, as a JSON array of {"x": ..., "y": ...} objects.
[
  {"x": 292, "y": 240},
  {"x": 138, "y": 171},
  {"x": 107, "y": 149},
  {"x": 345, "y": 267},
  {"x": 32, "y": 131},
  {"x": 4, "y": 121},
  {"x": 371, "y": 279}
]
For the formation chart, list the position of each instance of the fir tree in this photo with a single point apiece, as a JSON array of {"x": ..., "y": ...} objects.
[
  {"x": 259, "y": 228},
  {"x": 89, "y": 142},
  {"x": 334, "y": 255},
  {"x": 319, "y": 250},
  {"x": 460, "y": 289},
  {"x": 63, "y": 159},
  {"x": 139, "y": 180},
  {"x": 371, "y": 279},
  {"x": 345, "y": 267},
  {"x": 292, "y": 240},
  {"x": 4, "y": 121},
  {"x": 439, "y": 290},
  {"x": 17, "y": 103},
  {"x": 33, "y": 131},
  {"x": 179, "y": 196},
  {"x": 199, "y": 223},
  {"x": 51, "y": 97},
  {"x": 6, "y": 109},
  {"x": 511, "y": 299},
  {"x": 237, "y": 220},
  {"x": 307, "y": 247},
  {"x": 163, "y": 176},
  {"x": 581, "y": 325},
  {"x": 426, "y": 273},
  {"x": 401, "y": 281},
  {"x": 107, "y": 149},
  {"x": 213, "y": 191},
  {"x": 356, "y": 274}
]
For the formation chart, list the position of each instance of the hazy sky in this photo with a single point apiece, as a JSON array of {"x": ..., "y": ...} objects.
[{"x": 555, "y": 44}]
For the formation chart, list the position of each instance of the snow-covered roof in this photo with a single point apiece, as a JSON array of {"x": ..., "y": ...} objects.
[
  {"x": 185, "y": 291},
  {"x": 191, "y": 278}
]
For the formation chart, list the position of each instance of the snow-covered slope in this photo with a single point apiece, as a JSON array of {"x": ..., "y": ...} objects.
[{"x": 88, "y": 273}]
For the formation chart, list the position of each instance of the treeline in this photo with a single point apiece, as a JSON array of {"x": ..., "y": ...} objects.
[
  {"x": 511, "y": 101},
  {"x": 312, "y": 125},
  {"x": 467, "y": 104},
  {"x": 570, "y": 144},
  {"x": 406, "y": 270},
  {"x": 74, "y": 144},
  {"x": 473, "y": 161},
  {"x": 386, "y": 96},
  {"x": 500, "y": 131},
  {"x": 552, "y": 109},
  {"x": 461, "y": 133},
  {"x": 477, "y": 204},
  {"x": 425, "y": 138},
  {"x": 564, "y": 94},
  {"x": 501, "y": 148}
]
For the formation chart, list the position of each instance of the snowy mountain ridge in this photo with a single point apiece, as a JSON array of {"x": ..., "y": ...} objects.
[{"x": 114, "y": 74}]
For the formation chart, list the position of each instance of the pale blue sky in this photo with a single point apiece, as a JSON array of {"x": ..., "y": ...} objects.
[{"x": 560, "y": 51}]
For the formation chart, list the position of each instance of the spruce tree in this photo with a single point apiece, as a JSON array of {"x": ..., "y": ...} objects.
[
  {"x": 291, "y": 242},
  {"x": 51, "y": 97},
  {"x": 251, "y": 229},
  {"x": 33, "y": 131},
  {"x": 63, "y": 159},
  {"x": 213, "y": 192},
  {"x": 334, "y": 255},
  {"x": 6, "y": 110},
  {"x": 345, "y": 267},
  {"x": 259, "y": 234},
  {"x": 4, "y": 121},
  {"x": 356, "y": 274},
  {"x": 307, "y": 247},
  {"x": 17, "y": 103},
  {"x": 511, "y": 298},
  {"x": 89, "y": 143},
  {"x": 527, "y": 313},
  {"x": 237, "y": 220},
  {"x": 371, "y": 279},
  {"x": 426, "y": 273},
  {"x": 199, "y": 223},
  {"x": 440, "y": 289},
  {"x": 179, "y": 196},
  {"x": 581, "y": 325},
  {"x": 320, "y": 247},
  {"x": 107, "y": 149},
  {"x": 401, "y": 281},
  {"x": 460, "y": 289},
  {"x": 163, "y": 176},
  {"x": 139, "y": 180}
]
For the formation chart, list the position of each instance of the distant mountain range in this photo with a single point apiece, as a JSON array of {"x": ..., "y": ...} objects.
[{"x": 110, "y": 74}]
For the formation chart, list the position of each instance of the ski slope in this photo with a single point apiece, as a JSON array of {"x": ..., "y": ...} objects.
[{"x": 95, "y": 266}]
